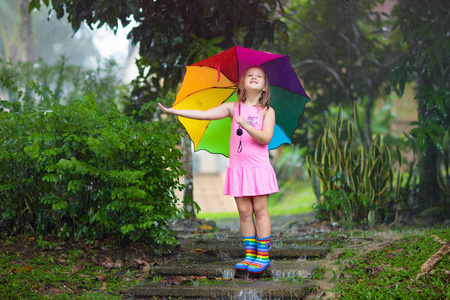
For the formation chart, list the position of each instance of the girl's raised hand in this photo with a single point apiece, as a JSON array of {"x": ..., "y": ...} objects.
[{"x": 165, "y": 109}]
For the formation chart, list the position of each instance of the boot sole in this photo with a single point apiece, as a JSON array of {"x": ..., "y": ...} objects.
[{"x": 259, "y": 271}]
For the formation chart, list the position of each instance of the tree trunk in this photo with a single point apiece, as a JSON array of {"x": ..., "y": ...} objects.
[
  {"x": 428, "y": 170},
  {"x": 26, "y": 36},
  {"x": 188, "y": 197},
  {"x": 368, "y": 113}
]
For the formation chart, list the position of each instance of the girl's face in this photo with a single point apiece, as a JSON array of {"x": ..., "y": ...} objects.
[{"x": 254, "y": 79}]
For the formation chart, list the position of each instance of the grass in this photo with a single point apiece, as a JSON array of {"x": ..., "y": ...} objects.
[
  {"x": 390, "y": 273},
  {"x": 43, "y": 268},
  {"x": 295, "y": 197},
  {"x": 66, "y": 271}
]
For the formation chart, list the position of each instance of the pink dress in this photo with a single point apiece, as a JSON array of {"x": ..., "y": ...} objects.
[{"x": 249, "y": 171}]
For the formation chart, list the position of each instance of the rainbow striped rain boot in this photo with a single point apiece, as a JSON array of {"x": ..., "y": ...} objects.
[
  {"x": 262, "y": 261},
  {"x": 250, "y": 253}
]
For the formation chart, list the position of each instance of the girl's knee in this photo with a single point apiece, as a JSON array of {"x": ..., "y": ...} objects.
[
  {"x": 261, "y": 212},
  {"x": 245, "y": 213}
]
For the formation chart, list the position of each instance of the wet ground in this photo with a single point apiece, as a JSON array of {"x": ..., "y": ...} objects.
[{"x": 302, "y": 260}]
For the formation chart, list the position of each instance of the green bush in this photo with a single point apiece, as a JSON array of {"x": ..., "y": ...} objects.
[
  {"x": 66, "y": 82},
  {"x": 353, "y": 183},
  {"x": 85, "y": 171}
]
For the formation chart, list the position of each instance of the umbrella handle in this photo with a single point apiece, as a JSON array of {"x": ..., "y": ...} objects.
[{"x": 239, "y": 131}]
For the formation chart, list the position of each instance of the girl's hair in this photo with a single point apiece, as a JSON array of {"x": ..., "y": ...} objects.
[{"x": 265, "y": 95}]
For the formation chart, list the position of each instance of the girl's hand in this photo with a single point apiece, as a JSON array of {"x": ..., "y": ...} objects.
[
  {"x": 241, "y": 121},
  {"x": 166, "y": 109}
]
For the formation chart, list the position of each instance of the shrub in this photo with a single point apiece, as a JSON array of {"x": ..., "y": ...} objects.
[
  {"x": 86, "y": 172},
  {"x": 353, "y": 183}
]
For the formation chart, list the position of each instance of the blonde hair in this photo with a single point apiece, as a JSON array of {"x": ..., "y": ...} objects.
[{"x": 264, "y": 99}]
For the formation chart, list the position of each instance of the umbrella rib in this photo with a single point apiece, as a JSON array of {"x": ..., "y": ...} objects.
[
  {"x": 209, "y": 122},
  {"x": 205, "y": 89},
  {"x": 221, "y": 73}
]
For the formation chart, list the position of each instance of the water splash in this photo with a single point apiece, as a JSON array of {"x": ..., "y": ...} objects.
[
  {"x": 290, "y": 274},
  {"x": 228, "y": 273},
  {"x": 247, "y": 295}
]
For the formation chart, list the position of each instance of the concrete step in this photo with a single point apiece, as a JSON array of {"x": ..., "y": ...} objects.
[
  {"x": 235, "y": 289},
  {"x": 276, "y": 241},
  {"x": 202, "y": 267},
  {"x": 225, "y": 269},
  {"x": 227, "y": 251}
]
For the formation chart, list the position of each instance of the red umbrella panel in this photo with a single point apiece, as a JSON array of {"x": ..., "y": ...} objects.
[{"x": 213, "y": 81}]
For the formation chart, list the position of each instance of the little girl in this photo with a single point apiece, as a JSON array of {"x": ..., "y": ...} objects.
[{"x": 250, "y": 177}]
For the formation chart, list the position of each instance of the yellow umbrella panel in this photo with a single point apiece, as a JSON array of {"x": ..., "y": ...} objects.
[{"x": 204, "y": 88}]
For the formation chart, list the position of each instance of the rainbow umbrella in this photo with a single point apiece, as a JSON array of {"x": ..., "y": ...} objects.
[{"x": 213, "y": 81}]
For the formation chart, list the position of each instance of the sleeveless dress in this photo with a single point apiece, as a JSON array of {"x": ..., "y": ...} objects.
[{"x": 249, "y": 171}]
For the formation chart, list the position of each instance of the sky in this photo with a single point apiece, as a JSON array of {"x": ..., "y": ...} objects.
[
  {"x": 117, "y": 47},
  {"x": 112, "y": 45}
]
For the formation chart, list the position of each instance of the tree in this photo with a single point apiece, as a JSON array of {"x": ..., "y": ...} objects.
[
  {"x": 15, "y": 31},
  {"x": 26, "y": 35},
  {"x": 167, "y": 32},
  {"x": 30, "y": 37},
  {"x": 425, "y": 25},
  {"x": 343, "y": 52}
]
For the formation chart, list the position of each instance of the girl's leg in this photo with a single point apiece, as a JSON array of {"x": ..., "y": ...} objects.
[
  {"x": 245, "y": 209},
  {"x": 260, "y": 208},
  {"x": 261, "y": 211},
  {"x": 248, "y": 230}
]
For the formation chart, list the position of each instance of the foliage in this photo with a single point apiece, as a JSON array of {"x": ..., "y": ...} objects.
[
  {"x": 67, "y": 81},
  {"x": 48, "y": 39},
  {"x": 168, "y": 31},
  {"x": 425, "y": 27},
  {"x": 343, "y": 51},
  {"x": 84, "y": 170},
  {"x": 390, "y": 273},
  {"x": 68, "y": 270},
  {"x": 352, "y": 183},
  {"x": 289, "y": 162}
]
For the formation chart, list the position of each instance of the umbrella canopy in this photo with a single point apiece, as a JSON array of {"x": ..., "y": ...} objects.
[{"x": 213, "y": 81}]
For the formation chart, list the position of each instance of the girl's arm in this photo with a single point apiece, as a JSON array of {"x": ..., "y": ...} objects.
[
  {"x": 263, "y": 136},
  {"x": 219, "y": 112}
]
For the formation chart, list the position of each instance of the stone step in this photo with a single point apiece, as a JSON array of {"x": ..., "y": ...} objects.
[
  {"x": 232, "y": 251},
  {"x": 237, "y": 240},
  {"x": 235, "y": 289},
  {"x": 225, "y": 269}
]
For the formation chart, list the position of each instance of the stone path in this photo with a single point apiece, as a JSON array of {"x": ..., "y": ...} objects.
[{"x": 203, "y": 268}]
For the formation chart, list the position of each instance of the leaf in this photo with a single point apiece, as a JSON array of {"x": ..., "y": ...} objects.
[
  {"x": 147, "y": 266},
  {"x": 101, "y": 278},
  {"x": 377, "y": 269},
  {"x": 177, "y": 280},
  {"x": 77, "y": 268},
  {"x": 198, "y": 251},
  {"x": 24, "y": 269},
  {"x": 35, "y": 4},
  {"x": 118, "y": 263},
  {"x": 174, "y": 280},
  {"x": 336, "y": 256}
]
